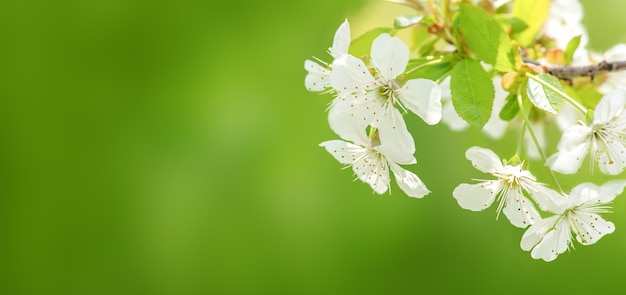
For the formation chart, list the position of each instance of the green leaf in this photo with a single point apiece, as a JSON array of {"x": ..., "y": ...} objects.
[
  {"x": 435, "y": 72},
  {"x": 517, "y": 25},
  {"x": 402, "y": 22},
  {"x": 543, "y": 97},
  {"x": 572, "y": 45},
  {"x": 486, "y": 38},
  {"x": 361, "y": 46},
  {"x": 472, "y": 92},
  {"x": 533, "y": 13},
  {"x": 510, "y": 108}
]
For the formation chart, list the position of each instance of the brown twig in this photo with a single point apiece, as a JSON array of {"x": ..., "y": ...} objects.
[
  {"x": 569, "y": 72},
  {"x": 603, "y": 67}
]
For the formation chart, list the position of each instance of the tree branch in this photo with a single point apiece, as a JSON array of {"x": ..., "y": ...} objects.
[{"x": 569, "y": 72}]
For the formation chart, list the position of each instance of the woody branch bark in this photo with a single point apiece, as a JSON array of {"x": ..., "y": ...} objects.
[{"x": 569, "y": 72}]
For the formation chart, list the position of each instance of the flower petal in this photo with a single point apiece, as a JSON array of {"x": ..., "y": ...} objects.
[
  {"x": 519, "y": 210},
  {"x": 574, "y": 136},
  {"x": 591, "y": 227},
  {"x": 567, "y": 162},
  {"x": 610, "y": 106},
  {"x": 372, "y": 170},
  {"x": 568, "y": 117},
  {"x": 395, "y": 155},
  {"x": 318, "y": 77},
  {"x": 573, "y": 148},
  {"x": 548, "y": 199},
  {"x": 584, "y": 193},
  {"x": 341, "y": 42},
  {"x": 344, "y": 152},
  {"x": 393, "y": 131},
  {"x": 612, "y": 157},
  {"x": 409, "y": 182},
  {"x": 342, "y": 118},
  {"x": 350, "y": 75},
  {"x": 537, "y": 231},
  {"x": 554, "y": 242},
  {"x": 483, "y": 159},
  {"x": 476, "y": 197},
  {"x": 564, "y": 23},
  {"x": 615, "y": 53},
  {"x": 610, "y": 190},
  {"x": 422, "y": 97},
  {"x": 614, "y": 80},
  {"x": 351, "y": 114},
  {"x": 389, "y": 55}
]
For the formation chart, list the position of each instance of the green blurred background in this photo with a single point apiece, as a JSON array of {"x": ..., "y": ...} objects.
[{"x": 170, "y": 148}]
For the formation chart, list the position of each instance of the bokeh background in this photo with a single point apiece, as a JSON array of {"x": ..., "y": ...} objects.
[{"x": 169, "y": 147}]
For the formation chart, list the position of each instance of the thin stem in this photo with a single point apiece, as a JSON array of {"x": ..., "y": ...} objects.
[
  {"x": 413, "y": 4},
  {"x": 573, "y": 102},
  {"x": 520, "y": 145},
  {"x": 433, "y": 10},
  {"x": 445, "y": 10},
  {"x": 535, "y": 141},
  {"x": 529, "y": 128}
]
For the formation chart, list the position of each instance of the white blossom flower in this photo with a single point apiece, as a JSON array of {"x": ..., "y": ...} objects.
[
  {"x": 552, "y": 236},
  {"x": 509, "y": 187},
  {"x": 372, "y": 160},
  {"x": 367, "y": 100},
  {"x": 605, "y": 137},
  {"x": 615, "y": 80},
  {"x": 318, "y": 77},
  {"x": 563, "y": 23}
]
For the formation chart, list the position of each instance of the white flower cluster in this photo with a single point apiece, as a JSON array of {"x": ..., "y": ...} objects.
[
  {"x": 551, "y": 236},
  {"x": 603, "y": 136},
  {"x": 576, "y": 212},
  {"x": 372, "y": 93},
  {"x": 564, "y": 23},
  {"x": 367, "y": 110}
]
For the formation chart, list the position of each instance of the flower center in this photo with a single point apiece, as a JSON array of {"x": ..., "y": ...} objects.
[
  {"x": 514, "y": 176},
  {"x": 388, "y": 91}
]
